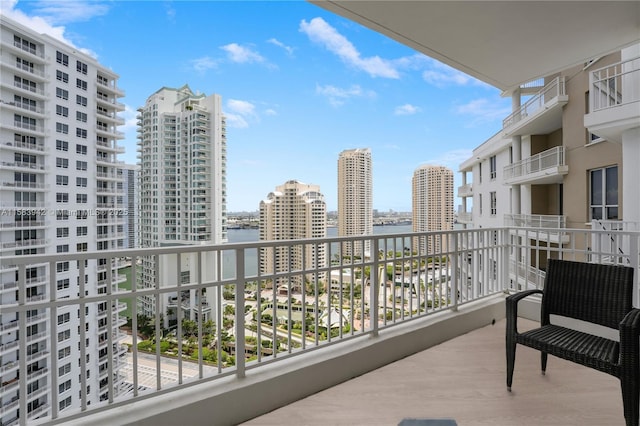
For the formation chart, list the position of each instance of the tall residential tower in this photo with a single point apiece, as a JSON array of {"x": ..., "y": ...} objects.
[
  {"x": 294, "y": 210},
  {"x": 60, "y": 192},
  {"x": 355, "y": 199},
  {"x": 182, "y": 150},
  {"x": 432, "y": 189}
]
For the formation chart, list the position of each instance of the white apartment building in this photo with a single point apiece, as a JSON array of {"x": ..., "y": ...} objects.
[
  {"x": 432, "y": 202},
  {"x": 355, "y": 198},
  {"x": 555, "y": 164},
  {"x": 131, "y": 177},
  {"x": 182, "y": 151},
  {"x": 293, "y": 211},
  {"x": 60, "y": 192}
]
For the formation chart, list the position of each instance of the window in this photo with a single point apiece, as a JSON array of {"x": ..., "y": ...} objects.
[
  {"x": 64, "y": 335},
  {"x": 492, "y": 167},
  {"x": 62, "y": 76},
  {"x": 62, "y": 163},
  {"x": 81, "y": 133},
  {"x": 62, "y": 94},
  {"x": 61, "y": 110},
  {"x": 62, "y": 58},
  {"x": 63, "y": 284},
  {"x": 64, "y": 248},
  {"x": 81, "y": 165},
  {"x": 62, "y": 145},
  {"x": 63, "y": 387},
  {"x": 62, "y": 180},
  {"x": 62, "y": 266},
  {"x": 479, "y": 203},
  {"x": 81, "y": 84},
  {"x": 62, "y": 197},
  {"x": 81, "y": 116},
  {"x": 82, "y": 214},
  {"x": 480, "y": 172},
  {"x": 82, "y": 182},
  {"x": 62, "y": 128},
  {"x": 603, "y": 191},
  {"x": 65, "y": 369},
  {"x": 62, "y": 233},
  {"x": 62, "y": 214},
  {"x": 81, "y": 198},
  {"x": 81, "y": 100},
  {"x": 65, "y": 403},
  {"x": 82, "y": 247},
  {"x": 81, "y": 67},
  {"x": 64, "y": 318},
  {"x": 81, "y": 149},
  {"x": 81, "y": 231},
  {"x": 493, "y": 203}
]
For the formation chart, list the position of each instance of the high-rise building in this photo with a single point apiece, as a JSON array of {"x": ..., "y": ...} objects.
[
  {"x": 432, "y": 189},
  {"x": 355, "y": 199},
  {"x": 294, "y": 210},
  {"x": 182, "y": 151},
  {"x": 131, "y": 176},
  {"x": 60, "y": 192}
]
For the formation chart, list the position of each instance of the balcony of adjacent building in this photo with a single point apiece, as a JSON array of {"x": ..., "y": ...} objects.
[
  {"x": 37, "y": 147},
  {"x": 544, "y": 168},
  {"x": 614, "y": 100},
  {"x": 547, "y": 228},
  {"x": 540, "y": 114},
  {"x": 110, "y": 116},
  {"x": 24, "y": 105},
  {"x": 23, "y": 87},
  {"x": 465, "y": 217},
  {"x": 109, "y": 101},
  {"x": 21, "y": 47},
  {"x": 22, "y": 67},
  {"x": 465, "y": 190},
  {"x": 381, "y": 327}
]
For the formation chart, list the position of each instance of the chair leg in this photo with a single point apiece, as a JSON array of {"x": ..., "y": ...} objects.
[
  {"x": 511, "y": 360},
  {"x": 543, "y": 362},
  {"x": 630, "y": 401}
]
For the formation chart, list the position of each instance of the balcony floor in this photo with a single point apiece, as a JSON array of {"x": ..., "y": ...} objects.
[{"x": 464, "y": 379}]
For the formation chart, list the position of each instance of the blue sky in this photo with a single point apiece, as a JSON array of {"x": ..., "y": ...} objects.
[{"x": 298, "y": 86}]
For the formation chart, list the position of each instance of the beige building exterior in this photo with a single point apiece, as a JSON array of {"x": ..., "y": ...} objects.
[
  {"x": 544, "y": 168},
  {"x": 355, "y": 199},
  {"x": 293, "y": 211},
  {"x": 432, "y": 202}
]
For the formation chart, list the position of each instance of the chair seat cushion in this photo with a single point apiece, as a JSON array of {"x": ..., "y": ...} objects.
[{"x": 583, "y": 348}]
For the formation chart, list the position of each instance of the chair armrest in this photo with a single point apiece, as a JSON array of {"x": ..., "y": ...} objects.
[
  {"x": 629, "y": 347},
  {"x": 512, "y": 308}
]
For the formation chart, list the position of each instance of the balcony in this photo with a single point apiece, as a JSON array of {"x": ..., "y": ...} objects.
[
  {"x": 541, "y": 114},
  {"x": 540, "y": 227},
  {"x": 413, "y": 302},
  {"x": 465, "y": 190},
  {"x": 543, "y": 168},
  {"x": 465, "y": 217},
  {"x": 614, "y": 100}
]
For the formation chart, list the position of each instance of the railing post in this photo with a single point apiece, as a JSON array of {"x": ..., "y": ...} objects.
[
  {"x": 374, "y": 287},
  {"x": 454, "y": 271},
  {"x": 504, "y": 247},
  {"x": 240, "y": 338},
  {"x": 634, "y": 258}
]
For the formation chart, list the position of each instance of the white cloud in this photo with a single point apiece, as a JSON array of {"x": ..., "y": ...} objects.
[
  {"x": 483, "y": 110},
  {"x": 241, "y": 107},
  {"x": 242, "y": 54},
  {"x": 236, "y": 120},
  {"x": 278, "y": 43},
  {"x": 203, "y": 64},
  {"x": 441, "y": 75},
  {"x": 406, "y": 109},
  {"x": 337, "y": 96},
  {"x": 66, "y": 11},
  {"x": 451, "y": 159},
  {"x": 270, "y": 111},
  {"x": 239, "y": 113},
  {"x": 319, "y": 31}
]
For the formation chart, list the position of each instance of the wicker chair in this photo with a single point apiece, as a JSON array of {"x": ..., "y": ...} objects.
[{"x": 596, "y": 293}]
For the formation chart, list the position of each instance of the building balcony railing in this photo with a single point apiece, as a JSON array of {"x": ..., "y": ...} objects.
[
  {"x": 292, "y": 312},
  {"x": 543, "y": 168},
  {"x": 23, "y": 146},
  {"x": 528, "y": 224},
  {"x": 541, "y": 114},
  {"x": 465, "y": 190},
  {"x": 614, "y": 100},
  {"x": 465, "y": 217}
]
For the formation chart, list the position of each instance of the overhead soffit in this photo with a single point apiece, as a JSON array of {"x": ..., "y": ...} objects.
[{"x": 503, "y": 43}]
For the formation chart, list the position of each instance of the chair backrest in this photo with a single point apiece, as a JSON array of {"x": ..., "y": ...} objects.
[{"x": 593, "y": 292}]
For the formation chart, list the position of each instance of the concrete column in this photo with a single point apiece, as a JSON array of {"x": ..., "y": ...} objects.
[
  {"x": 631, "y": 175},
  {"x": 516, "y": 148}
]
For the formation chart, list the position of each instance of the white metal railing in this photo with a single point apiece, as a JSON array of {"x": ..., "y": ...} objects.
[
  {"x": 260, "y": 315},
  {"x": 35, "y": 147},
  {"x": 615, "y": 85},
  {"x": 535, "y": 220},
  {"x": 465, "y": 217},
  {"x": 550, "y": 92},
  {"x": 466, "y": 189},
  {"x": 545, "y": 160}
]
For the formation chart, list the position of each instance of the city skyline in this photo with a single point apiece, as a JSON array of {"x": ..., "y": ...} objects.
[{"x": 359, "y": 88}]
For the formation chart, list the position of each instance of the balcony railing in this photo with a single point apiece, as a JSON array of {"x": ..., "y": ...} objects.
[
  {"x": 265, "y": 318},
  {"x": 538, "y": 167},
  {"x": 535, "y": 221},
  {"x": 615, "y": 85},
  {"x": 552, "y": 91},
  {"x": 465, "y": 190}
]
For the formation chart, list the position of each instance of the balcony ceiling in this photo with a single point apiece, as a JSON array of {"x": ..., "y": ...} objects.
[{"x": 501, "y": 43}]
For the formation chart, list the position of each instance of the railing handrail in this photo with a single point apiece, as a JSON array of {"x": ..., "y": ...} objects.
[
  {"x": 615, "y": 85},
  {"x": 554, "y": 88},
  {"x": 550, "y": 158}
]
